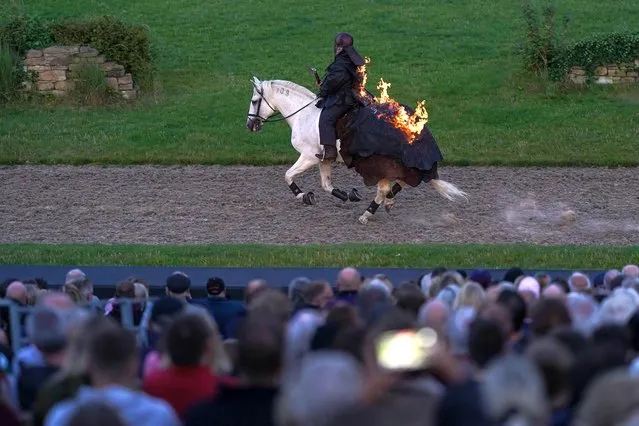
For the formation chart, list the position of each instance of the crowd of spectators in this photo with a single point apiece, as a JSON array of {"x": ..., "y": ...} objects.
[{"x": 445, "y": 349}]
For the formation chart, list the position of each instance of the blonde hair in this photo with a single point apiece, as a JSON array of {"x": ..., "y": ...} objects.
[
  {"x": 73, "y": 292},
  {"x": 471, "y": 294}
]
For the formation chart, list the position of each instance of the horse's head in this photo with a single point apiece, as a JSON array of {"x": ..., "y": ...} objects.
[{"x": 259, "y": 109}]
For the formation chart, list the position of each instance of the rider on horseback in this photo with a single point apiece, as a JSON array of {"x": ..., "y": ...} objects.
[{"x": 337, "y": 92}]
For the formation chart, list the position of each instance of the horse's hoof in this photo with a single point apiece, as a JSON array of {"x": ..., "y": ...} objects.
[
  {"x": 354, "y": 195},
  {"x": 363, "y": 220},
  {"x": 388, "y": 207},
  {"x": 309, "y": 199},
  {"x": 342, "y": 195}
]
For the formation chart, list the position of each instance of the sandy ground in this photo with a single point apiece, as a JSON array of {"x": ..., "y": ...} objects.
[{"x": 146, "y": 204}]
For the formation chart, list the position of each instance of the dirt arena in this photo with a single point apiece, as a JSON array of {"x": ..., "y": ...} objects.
[{"x": 148, "y": 204}]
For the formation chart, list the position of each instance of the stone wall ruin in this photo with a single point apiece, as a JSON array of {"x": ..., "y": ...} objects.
[
  {"x": 608, "y": 74},
  {"x": 54, "y": 69}
]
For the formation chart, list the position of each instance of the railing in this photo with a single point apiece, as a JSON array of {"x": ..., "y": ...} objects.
[{"x": 18, "y": 314}]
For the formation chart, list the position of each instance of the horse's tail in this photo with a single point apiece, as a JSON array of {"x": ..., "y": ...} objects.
[{"x": 448, "y": 190}]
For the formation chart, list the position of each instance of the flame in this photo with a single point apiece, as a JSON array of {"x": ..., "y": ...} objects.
[{"x": 391, "y": 111}]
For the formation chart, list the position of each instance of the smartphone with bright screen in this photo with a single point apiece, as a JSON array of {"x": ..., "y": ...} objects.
[{"x": 405, "y": 350}]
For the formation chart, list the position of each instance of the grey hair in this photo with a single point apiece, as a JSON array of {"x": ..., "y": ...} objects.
[
  {"x": 579, "y": 275},
  {"x": 506, "y": 285},
  {"x": 47, "y": 329},
  {"x": 328, "y": 382},
  {"x": 513, "y": 384},
  {"x": 576, "y": 304},
  {"x": 299, "y": 333},
  {"x": 619, "y": 306},
  {"x": 377, "y": 283},
  {"x": 611, "y": 399},
  {"x": 631, "y": 282},
  {"x": 448, "y": 295},
  {"x": 296, "y": 287},
  {"x": 458, "y": 326}
]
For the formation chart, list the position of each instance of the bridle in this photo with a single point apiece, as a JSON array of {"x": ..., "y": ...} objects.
[{"x": 271, "y": 120}]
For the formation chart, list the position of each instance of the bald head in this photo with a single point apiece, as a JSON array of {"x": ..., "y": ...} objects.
[
  {"x": 253, "y": 287},
  {"x": 349, "y": 279},
  {"x": 434, "y": 314},
  {"x": 554, "y": 291},
  {"x": 631, "y": 271},
  {"x": 18, "y": 292}
]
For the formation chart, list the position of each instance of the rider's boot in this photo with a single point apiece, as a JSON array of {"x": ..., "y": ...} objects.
[{"x": 330, "y": 153}]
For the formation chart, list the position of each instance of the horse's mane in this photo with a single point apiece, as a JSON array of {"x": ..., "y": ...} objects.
[{"x": 301, "y": 90}]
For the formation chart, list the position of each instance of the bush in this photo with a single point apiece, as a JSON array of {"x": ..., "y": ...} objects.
[
  {"x": 25, "y": 32},
  {"x": 11, "y": 74},
  {"x": 543, "y": 39},
  {"x": 595, "y": 51},
  {"x": 128, "y": 45}
]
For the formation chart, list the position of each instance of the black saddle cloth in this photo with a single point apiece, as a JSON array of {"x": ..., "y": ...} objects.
[{"x": 363, "y": 134}]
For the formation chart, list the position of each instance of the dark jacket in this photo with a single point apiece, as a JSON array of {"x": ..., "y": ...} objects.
[
  {"x": 337, "y": 87},
  {"x": 240, "y": 406},
  {"x": 224, "y": 311},
  {"x": 30, "y": 380}
]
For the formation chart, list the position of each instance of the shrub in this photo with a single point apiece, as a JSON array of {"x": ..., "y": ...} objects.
[
  {"x": 128, "y": 45},
  {"x": 11, "y": 74},
  {"x": 543, "y": 39},
  {"x": 595, "y": 51},
  {"x": 25, "y": 32}
]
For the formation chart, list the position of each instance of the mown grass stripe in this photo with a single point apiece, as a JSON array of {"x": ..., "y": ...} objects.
[{"x": 362, "y": 255}]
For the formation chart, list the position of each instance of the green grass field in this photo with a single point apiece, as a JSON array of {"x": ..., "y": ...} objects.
[
  {"x": 457, "y": 56},
  {"x": 361, "y": 255}
]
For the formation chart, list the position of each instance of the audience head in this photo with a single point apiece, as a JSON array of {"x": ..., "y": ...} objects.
[{"x": 348, "y": 279}]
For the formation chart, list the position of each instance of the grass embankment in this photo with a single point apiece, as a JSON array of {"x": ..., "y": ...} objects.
[
  {"x": 361, "y": 255},
  {"x": 458, "y": 56}
]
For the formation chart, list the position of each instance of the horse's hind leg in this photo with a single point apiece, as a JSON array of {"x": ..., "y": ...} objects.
[
  {"x": 301, "y": 165},
  {"x": 396, "y": 188},
  {"x": 383, "y": 188}
]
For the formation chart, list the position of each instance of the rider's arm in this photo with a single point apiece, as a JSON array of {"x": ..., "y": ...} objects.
[{"x": 334, "y": 81}]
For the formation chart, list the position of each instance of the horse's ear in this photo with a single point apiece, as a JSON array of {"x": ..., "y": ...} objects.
[{"x": 255, "y": 81}]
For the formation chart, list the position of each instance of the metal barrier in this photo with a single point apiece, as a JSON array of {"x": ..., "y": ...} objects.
[{"x": 17, "y": 316}]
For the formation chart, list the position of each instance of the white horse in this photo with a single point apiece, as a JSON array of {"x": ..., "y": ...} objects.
[{"x": 297, "y": 106}]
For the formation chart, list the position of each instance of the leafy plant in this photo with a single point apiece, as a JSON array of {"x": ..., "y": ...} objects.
[
  {"x": 595, "y": 51},
  {"x": 91, "y": 86},
  {"x": 543, "y": 37},
  {"x": 26, "y": 32},
  {"x": 11, "y": 74},
  {"x": 128, "y": 45}
]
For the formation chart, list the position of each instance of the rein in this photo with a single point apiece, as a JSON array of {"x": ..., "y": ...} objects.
[{"x": 271, "y": 120}]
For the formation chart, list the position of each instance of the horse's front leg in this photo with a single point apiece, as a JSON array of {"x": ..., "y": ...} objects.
[
  {"x": 383, "y": 188},
  {"x": 301, "y": 165},
  {"x": 326, "y": 176}
]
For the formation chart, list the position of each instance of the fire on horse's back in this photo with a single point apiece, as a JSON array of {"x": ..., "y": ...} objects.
[{"x": 297, "y": 106}]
